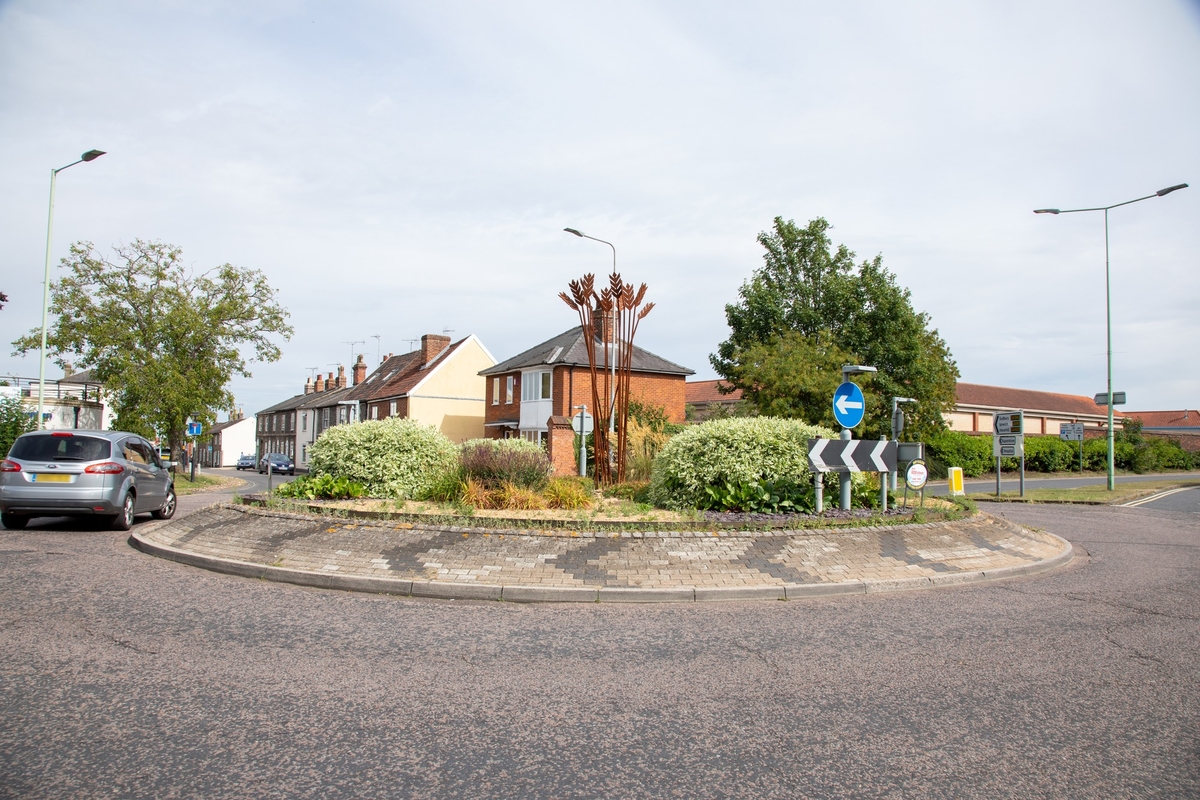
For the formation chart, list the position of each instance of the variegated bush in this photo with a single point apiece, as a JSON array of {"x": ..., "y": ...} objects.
[
  {"x": 391, "y": 457},
  {"x": 735, "y": 450}
]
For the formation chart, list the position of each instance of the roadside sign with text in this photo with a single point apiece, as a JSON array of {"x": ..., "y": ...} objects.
[
  {"x": 1008, "y": 434},
  {"x": 916, "y": 475},
  {"x": 1070, "y": 431}
]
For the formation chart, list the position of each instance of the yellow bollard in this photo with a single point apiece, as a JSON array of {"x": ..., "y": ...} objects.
[{"x": 956, "y": 481}]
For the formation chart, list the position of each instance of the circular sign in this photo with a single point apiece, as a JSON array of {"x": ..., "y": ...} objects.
[
  {"x": 848, "y": 404},
  {"x": 916, "y": 475},
  {"x": 588, "y": 423}
]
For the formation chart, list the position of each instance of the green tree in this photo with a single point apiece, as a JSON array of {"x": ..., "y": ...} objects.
[
  {"x": 809, "y": 310},
  {"x": 14, "y": 420},
  {"x": 163, "y": 340}
]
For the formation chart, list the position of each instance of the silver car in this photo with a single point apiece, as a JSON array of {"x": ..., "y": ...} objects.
[{"x": 107, "y": 475}]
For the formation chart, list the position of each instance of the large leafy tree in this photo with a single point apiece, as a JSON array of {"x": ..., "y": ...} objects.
[
  {"x": 810, "y": 309},
  {"x": 163, "y": 340}
]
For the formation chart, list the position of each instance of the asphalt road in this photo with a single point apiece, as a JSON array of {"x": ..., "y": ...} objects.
[
  {"x": 1180, "y": 500},
  {"x": 1011, "y": 482},
  {"x": 126, "y": 675}
]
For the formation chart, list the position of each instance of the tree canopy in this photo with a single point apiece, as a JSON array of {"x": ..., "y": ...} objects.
[
  {"x": 164, "y": 341},
  {"x": 807, "y": 311}
]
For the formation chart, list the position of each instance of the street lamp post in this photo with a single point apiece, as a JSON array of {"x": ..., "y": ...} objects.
[
  {"x": 609, "y": 353},
  {"x": 90, "y": 155},
  {"x": 1112, "y": 481}
]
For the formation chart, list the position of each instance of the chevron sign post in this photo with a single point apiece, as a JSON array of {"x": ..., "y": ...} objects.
[{"x": 851, "y": 455}]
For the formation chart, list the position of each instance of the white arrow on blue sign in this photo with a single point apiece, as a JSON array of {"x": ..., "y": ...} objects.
[{"x": 848, "y": 405}]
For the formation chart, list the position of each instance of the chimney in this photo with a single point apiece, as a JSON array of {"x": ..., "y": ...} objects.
[
  {"x": 319, "y": 384},
  {"x": 308, "y": 385},
  {"x": 341, "y": 378},
  {"x": 360, "y": 370},
  {"x": 329, "y": 385},
  {"x": 431, "y": 345},
  {"x": 602, "y": 322}
]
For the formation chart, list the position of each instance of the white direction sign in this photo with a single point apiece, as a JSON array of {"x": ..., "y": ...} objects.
[
  {"x": 1008, "y": 434},
  {"x": 1070, "y": 431}
]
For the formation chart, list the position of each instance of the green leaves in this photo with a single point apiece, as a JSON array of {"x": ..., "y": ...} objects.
[
  {"x": 392, "y": 457},
  {"x": 164, "y": 341},
  {"x": 13, "y": 422},
  {"x": 807, "y": 311},
  {"x": 312, "y": 487}
]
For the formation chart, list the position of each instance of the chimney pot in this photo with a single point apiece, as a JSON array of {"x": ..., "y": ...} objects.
[
  {"x": 308, "y": 385},
  {"x": 360, "y": 370}
]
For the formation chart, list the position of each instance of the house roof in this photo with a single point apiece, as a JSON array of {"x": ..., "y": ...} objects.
[
  {"x": 1185, "y": 418},
  {"x": 570, "y": 348},
  {"x": 399, "y": 375},
  {"x": 220, "y": 426},
  {"x": 1002, "y": 398},
  {"x": 707, "y": 392},
  {"x": 286, "y": 405},
  {"x": 83, "y": 376},
  {"x": 329, "y": 397}
]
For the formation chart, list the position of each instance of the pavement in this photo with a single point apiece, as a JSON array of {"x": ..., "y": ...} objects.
[{"x": 573, "y": 566}]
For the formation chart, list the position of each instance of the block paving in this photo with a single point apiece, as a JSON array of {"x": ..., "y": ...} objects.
[{"x": 699, "y": 560}]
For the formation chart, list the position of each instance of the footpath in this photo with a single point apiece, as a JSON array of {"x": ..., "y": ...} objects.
[{"x": 574, "y": 566}]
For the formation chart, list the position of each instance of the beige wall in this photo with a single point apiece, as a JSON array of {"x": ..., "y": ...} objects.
[
  {"x": 1035, "y": 423},
  {"x": 452, "y": 398}
]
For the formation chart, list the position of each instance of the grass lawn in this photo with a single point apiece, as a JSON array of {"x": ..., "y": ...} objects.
[
  {"x": 203, "y": 483},
  {"x": 1123, "y": 493}
]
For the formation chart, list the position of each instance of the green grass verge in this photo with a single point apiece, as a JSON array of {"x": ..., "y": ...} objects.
[
  {"x": 203, "y": 483},
  {"x": 1092, "y": 495}
]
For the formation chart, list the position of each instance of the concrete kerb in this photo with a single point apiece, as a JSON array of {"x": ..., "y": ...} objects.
[{"x": 565, "y": 594}]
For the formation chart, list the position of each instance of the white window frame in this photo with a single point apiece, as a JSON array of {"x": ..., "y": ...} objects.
[
  {"x": 304, "y": 421},
  {"x": 496, "y": 391},
  {"x": 392, "y": 409},
  {"x": 508, "y": 394},
  {"x": 375, "y": 412},
  {"x": 537, "y": 386}
]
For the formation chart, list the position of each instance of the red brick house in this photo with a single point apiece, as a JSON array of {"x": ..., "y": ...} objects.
[
  {"x": 551, "y": 378},
  {"x": 705, "y": 398}
]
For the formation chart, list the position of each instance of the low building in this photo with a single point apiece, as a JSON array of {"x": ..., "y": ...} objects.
[
  {"x": 75, "y": 401},
  {"x": 328, "y": 404},
  {"x": 224, "y": 442},
  {"x": 705, "y": 399},
  {"x": 1044, "y": 411},
  {"x": 552, "y": 378}
]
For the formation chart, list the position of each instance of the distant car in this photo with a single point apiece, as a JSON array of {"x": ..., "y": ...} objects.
[
  {"x": 280, "y": 464},
  {"x": 108, "y": 475},
  {"x": 245, "y": 462}
]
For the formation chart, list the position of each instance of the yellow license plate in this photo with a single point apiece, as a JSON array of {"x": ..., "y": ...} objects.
[{"x": 41, "y": 477}]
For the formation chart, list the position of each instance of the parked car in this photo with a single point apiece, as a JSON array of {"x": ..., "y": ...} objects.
[
  {"x": 245, "y": 462},
  {"x": 280, "y": 464},
  {"x": 108, "y": 475}
]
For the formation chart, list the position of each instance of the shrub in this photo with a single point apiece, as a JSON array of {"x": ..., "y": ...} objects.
[
  {"x": 310, "y": 487},
  {"x": 956, "y": 449},
  {"x": 783, "y": 496},
  {"x": 13, "y": 422},
  {"x": 447, "y": 487},
  {"x": 392, "y": 457},
  {"x": 568, "y": 493},
  {"x": 732, "y": 451},
  {"x": 495, "y": 462},
  {"x": 629, "y": 490},
  {"x": 517, "y": 498},
  {"x": 1050, "y": 454}
]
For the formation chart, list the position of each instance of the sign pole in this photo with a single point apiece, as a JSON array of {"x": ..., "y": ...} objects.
[
  {"x": 997, "y": 476},
  {"x": 1022, "y": 455},
  {"x": 819, "y": 490}
]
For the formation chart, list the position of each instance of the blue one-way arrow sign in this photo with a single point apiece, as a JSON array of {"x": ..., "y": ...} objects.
[{"x": 848, "y": 405}]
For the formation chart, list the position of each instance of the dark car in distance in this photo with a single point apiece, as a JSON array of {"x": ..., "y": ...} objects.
[
  {"x": 245, "y": 462},
  {"x": 280, "y": 464}
]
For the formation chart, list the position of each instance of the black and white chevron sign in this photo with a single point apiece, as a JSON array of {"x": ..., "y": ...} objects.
[{"x": 851, "y": 455}]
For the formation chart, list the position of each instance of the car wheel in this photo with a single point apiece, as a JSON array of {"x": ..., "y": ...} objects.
[
  {"x": 14, "y": 522},
  {"x": 124, "y": 520},
  {"x": 167, "y": 509}
]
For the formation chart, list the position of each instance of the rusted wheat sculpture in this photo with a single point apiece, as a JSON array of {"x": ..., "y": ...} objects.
[{"x": 612, "y": 316}]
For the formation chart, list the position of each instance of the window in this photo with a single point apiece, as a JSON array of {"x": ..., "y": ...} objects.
[
  {"x": 374, "y": 412},
  {"x": 324, "y": 418},
  {"x": 508, "y": 394},
  {"x": 304, "y": 452},
  {"x": 535, "y": 436},
  {"x": 274, "y": 421},
  {"x": 495, "y": 391},
  {"x": 536, "y": 386},
  {"x": 392, "y": 409},
  {"x": 304, "y": 421},
  {"x": 341, "y": 415}
]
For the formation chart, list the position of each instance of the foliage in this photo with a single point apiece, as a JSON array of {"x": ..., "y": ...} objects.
[
  {"x": 1131, "y": 451},
  {"x": 810, "y": 307},
  {"x": 732, "y": 451},
  {"x": 568, "y": 493},
  {"x": 163, "y": 340},
  {"x": 14, "y": 421},
  {"x": 637, "y": 491},
  {"x": 649, "y": 431},
  {"x": 956, "y": 449},
  {"x": 781, "y": 496},
  {"x": 447, "y": 487},
  {"x": 311, "y": 487},
  {"x": 494, "y": 462},
  {"x": 393, "y": 457}
]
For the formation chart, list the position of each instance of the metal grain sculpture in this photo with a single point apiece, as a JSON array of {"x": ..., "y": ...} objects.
[{"x": 611, "y": 315}]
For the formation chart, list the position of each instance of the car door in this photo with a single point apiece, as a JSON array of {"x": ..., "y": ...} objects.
[
  {"x": 159, "y": 472},
  {"x": 137, "y": 460}
]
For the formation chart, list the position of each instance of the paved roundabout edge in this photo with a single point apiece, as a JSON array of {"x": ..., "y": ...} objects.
[{"x": 1053, "y": 553}]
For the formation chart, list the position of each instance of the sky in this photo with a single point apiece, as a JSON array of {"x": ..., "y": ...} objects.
[{"x": 402, "y": 168}]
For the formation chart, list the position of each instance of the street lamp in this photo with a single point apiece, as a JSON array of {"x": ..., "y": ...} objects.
[
  {"x": 1112, "y": 482},
  {"x": 898, "y": 424},
  {"x": 90, "y": 155},
  {"x": 612, "y": 361}
]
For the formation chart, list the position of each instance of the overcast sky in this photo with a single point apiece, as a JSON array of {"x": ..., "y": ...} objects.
[{"x": 400, "y": 168}]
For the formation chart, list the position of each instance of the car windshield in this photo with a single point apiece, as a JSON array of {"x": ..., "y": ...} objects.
[{"x": 48, "y": 447}]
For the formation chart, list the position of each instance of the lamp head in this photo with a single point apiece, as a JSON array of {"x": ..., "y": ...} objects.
[
  {"x": 92, "y": 155},
  {"x": 904, "y": 399},
  {"x": 856, "y": 369},
  {"x": 1170, "y": 189},
  {"x": 572, "y": 230},
  {"x": 1046, "y": 211}
]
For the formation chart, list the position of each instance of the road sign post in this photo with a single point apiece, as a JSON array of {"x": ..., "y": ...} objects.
[
  {"x": 583, "y": 424},
  {"x": 1073, "y": 432},
  {"x": 849, "y": 406},
  {"x": 1008, "y": 440}
]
